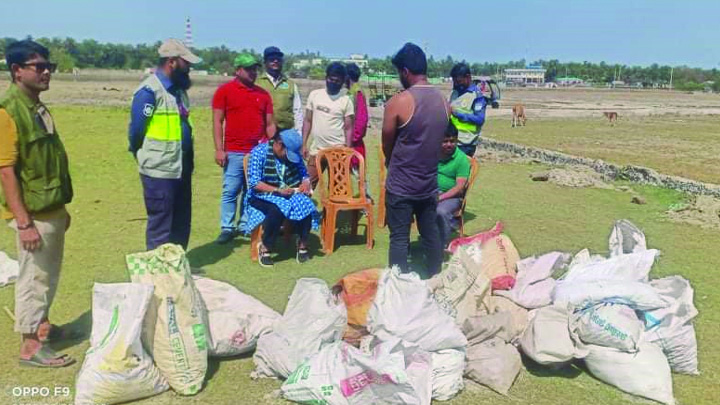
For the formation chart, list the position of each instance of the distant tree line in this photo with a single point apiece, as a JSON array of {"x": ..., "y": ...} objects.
[{"x": 69, "y": 53}]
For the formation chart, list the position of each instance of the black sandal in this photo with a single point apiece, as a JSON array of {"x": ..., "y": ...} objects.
[
  {"x": 302, "y": 255},
  {"x": 264, "y": 257}
]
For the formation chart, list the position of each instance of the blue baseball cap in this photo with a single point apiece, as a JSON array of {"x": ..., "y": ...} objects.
[{"x": 293, "y": 144}]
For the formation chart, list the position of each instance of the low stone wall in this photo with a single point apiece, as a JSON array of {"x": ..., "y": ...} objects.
[{"x": 636, "y": 174}]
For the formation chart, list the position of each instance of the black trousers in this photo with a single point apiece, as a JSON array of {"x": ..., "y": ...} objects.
[
  {"x": 274, "y": 219},
  {"x": 168, "y": 203},
  {"x": 399, "y": 213}
]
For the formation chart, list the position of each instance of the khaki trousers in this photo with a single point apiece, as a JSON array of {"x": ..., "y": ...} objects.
[{"x": 39, "y": 273}]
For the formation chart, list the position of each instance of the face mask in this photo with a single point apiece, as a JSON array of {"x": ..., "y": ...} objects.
[
  {"x": 333, "y": 88},
  {"x": 460, "y": 88}
]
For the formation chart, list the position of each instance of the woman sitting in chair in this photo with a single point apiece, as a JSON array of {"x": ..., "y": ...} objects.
[
  {"x": 279, "y": 189},
  {"x": 453, "y": 174}
]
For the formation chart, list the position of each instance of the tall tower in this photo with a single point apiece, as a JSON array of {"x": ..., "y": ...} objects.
[{"x": 188, "y": 34}]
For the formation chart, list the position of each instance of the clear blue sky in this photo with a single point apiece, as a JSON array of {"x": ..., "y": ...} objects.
[{"x": 616, "y": 31}]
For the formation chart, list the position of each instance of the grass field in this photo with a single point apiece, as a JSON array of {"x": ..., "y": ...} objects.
[
  {"x": 108, "y": 222},
  {"x": 687, "y": 146}
]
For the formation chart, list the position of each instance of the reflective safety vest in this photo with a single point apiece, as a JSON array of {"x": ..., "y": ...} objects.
[
  {"x": 468, "y": 133},
  {"x": 161, "y": 153}
]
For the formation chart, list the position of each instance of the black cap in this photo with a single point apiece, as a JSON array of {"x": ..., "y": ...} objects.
[{"x": 272, "y": 50}]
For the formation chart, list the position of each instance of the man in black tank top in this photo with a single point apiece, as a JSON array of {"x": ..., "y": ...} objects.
[{"x": 413, "y": 130}]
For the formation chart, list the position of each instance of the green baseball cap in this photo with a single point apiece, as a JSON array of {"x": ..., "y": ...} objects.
[{"x": 245, "y": 60}]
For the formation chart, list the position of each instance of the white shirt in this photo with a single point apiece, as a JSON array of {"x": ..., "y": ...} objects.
[{"x": 328, "y": 119}]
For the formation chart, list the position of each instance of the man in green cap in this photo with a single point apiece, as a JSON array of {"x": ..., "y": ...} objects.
[
  {"x": 242, "y": 117},
  {"x": 284, "y": 91}
]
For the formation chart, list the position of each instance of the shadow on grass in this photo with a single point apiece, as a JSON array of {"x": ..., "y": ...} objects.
[
  {"x": 417, "y": 260},
  {"x": 343, "y": 231},
  {"x": 82, "y": 324},
  {"x": 286, "y": 249},
  {"x": 468, "y": 216},
  {"x": 212, "y": 252},
  {"x": 214, "y": 363},
  {"x": 567, "y": 370}
]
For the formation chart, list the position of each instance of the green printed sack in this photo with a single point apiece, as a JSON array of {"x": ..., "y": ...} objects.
[
  {"x": 609, "y": 325},
  {"x": 175, "y": 326}
]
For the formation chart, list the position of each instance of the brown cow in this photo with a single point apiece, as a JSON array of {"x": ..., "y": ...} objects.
[
  {"x": 612, "y": 116},
  {"x": 518, "y": 115}
]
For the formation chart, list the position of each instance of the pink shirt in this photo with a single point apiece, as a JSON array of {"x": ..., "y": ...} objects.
[{"x": 361, "y": 117}]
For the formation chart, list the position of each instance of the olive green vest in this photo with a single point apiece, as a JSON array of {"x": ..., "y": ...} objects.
[
  {"x": 282, "y": 96},
  {"x": 42, "y": 163},
  {"x": 161, "y": 152}
]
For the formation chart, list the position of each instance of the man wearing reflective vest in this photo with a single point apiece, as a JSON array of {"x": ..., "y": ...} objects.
[
  {"x": 161, "y": 139},
  {"x": 287, "y": 104},
  {"x": 36, "y": 186},
  {"x": 468, "y": 108}
]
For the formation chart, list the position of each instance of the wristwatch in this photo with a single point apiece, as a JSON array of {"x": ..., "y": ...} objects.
[{"x": 29, "y": 225}]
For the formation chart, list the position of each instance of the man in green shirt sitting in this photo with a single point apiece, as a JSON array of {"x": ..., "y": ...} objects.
[{"x": 453, "y": 174}]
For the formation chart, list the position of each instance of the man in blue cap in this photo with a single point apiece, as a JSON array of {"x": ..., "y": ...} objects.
[
  {"x": 287, "y": 104},
  {"x": 279, "y": 189}
]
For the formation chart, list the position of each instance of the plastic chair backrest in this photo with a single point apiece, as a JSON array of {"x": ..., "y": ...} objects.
[
  {"x": 340, "y": 180},
  {"x": 473, "y": 174}
]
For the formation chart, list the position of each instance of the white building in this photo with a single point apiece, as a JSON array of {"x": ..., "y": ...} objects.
[
  {"x": 531, "y": 74},
  {"x": 355, "y": 58},
  {"x": 301, "y": 63}
]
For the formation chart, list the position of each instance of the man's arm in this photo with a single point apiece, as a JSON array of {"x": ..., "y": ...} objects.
[
  {"x": 477, "y": 116},
  {"x": 456, "y": 191},
  {"x": 349, "y": 128},
  {"x": 307, "y": 127},
  {"x": 298, "y": 109},
  {"x": 218, "y": 130},
  {"x": 270, "y": 127},
  {"x": 389, "y": 128},
  {"x": 142, "y": 109}
]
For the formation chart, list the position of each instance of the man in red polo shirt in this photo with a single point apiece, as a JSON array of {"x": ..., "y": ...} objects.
[{"x": 242, "y": 118}]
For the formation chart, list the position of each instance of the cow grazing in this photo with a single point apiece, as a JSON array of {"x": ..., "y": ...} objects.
[
  {"x": 612, "y": 116},
  {"x": 519, "y": 117}
]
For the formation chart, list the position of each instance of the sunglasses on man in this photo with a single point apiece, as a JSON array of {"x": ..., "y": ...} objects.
[{"x": 41, "y": 67}]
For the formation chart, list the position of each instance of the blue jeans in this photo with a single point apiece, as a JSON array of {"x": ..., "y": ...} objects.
[{"x": 232, "y": 192}]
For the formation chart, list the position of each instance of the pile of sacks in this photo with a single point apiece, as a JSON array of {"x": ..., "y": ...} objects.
[
  {"x": 470, "y": 289},
  {"x": 379, "y": 336},
  {"x": 399, "y": 347},
  {"x": 630, "y": 331},
  {"x": 156, "y": 332}
]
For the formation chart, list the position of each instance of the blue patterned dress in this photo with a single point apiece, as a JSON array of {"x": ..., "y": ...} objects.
[{"x": 295, "y": 208}]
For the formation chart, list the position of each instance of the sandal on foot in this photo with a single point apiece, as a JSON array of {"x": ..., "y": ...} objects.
[
  {"x": 302, "y": 255},
  {"x": 42, "y": 359},
  {"x": 264, "y": 257}
]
